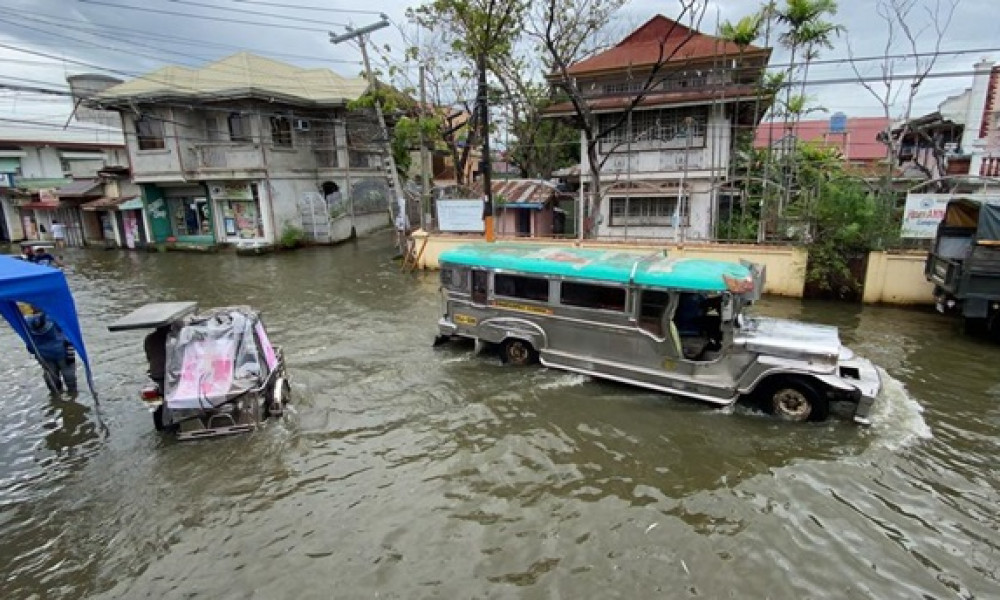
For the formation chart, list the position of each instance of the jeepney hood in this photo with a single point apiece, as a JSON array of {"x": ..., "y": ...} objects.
[{"x": 790, "y": 339}]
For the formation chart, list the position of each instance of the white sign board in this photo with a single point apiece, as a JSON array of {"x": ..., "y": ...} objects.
[
  {"x": 924, "y": 212},
  {"x": 460, "y": 215}
]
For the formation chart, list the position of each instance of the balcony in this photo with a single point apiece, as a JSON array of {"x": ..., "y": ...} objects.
[
  {"x": 990, "y": 167},
  {"x": 227, "y": 156}
]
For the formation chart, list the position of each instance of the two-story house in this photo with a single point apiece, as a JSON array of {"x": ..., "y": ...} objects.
[
  {"x": 664, "y": 167},
  {"x": 48, "y": 170},
  {"x": 245, "y": 147}
]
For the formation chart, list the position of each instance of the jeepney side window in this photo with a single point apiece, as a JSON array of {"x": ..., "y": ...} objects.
[
  {"x": 479, "y": 285},
  {"x": 652, "y": 306},
  {"x": 454, "y": 279},
  {"x": 519, "y": 286},
  {"x": 588, "y": 295}
]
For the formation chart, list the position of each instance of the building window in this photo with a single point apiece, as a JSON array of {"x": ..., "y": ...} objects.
[
  {"x": 149, "y": 133},
  {"x": 587, "y": 295},
  {"x": 239, "y": 128},
  {"x": 660, "y": 211},
  {"x": 281, "y": 132},
  {"x": 663, "y": 128},
  {"x": 189, "y": 216},
  {"x": 517, "y": 286}
]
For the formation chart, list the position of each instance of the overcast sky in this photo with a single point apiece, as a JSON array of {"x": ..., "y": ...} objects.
[{"x": 66, "y": 37}]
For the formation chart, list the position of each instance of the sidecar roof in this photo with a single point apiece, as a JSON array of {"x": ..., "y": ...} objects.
[{"x": 153, "y": 315}]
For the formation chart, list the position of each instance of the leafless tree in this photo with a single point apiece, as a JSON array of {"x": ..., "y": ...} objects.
[{"x": 905, "y": 65}]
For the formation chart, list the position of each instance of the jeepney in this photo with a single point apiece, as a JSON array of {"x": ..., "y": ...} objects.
[
  {"x": 677, "y": 325},
  {"x": 964, "y": 264}
]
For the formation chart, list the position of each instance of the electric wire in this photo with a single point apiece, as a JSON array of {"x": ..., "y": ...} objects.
[{"x": 205, "y": 17}]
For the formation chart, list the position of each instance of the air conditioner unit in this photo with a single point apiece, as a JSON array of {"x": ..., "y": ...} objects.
[{"x": 301, "y": 125}]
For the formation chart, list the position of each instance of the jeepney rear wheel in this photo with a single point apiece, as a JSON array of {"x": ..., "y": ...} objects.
[
  {"x": 793, "y": 399},
  {"x": 517, "y": 352}
]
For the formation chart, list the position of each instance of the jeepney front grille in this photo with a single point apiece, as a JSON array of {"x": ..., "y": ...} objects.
[{"x": 850, "y": 372}]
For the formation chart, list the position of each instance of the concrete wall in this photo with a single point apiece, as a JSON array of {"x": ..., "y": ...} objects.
[
  {"x": 41, "y": 162},
  {"x": 897, "y": 278},
  {"x": 786, "y": 265}
]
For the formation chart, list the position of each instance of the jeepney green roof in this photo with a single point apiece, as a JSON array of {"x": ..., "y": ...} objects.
[{"x": 618, "y": 266}]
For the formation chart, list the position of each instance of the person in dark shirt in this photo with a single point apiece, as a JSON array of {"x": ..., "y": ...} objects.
[
  {"x": 53, "y": 352},
  {"x": 42, "y": 257}
]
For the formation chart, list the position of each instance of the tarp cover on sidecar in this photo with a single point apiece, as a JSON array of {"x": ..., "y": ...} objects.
[{"x": 215, "y": 356}]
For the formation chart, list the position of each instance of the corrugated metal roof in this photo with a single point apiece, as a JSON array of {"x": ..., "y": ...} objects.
[
  {"x": 642, "y": 48},
  {"x": 106, "y": 202},
  {"x": 78, "y": 188},
  {"x": 525, "y": 191},
  {"x": 240, "y": 75}
]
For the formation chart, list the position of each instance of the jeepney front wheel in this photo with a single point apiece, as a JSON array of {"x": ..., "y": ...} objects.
[
  {"x": 793, "y": 399},
  {"x": 514, "y": 351}
]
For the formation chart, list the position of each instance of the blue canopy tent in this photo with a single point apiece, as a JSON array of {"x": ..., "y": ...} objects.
[{"x": 46, "y": 289}]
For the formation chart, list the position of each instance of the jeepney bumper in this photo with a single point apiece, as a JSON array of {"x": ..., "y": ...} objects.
[
  {"x": 863, "y": 376},
  {"x": 446, "y": 329}
]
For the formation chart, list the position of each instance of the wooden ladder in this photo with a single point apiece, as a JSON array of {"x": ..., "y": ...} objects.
[{"x": 411, "y": 259}]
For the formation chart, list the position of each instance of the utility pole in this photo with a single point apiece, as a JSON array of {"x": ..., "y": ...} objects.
[
  {"x": 486, "y": 164},
  {"x": 397, "y": 200},
  {"x": 425, "y": 192}
]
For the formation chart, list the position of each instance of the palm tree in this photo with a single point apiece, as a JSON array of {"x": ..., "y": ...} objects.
[
  {"x": 808, "y": 31},
  {"x": 743, "y": 33}
]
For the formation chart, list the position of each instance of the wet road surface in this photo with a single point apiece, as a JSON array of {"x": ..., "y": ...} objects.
[{"x": 408, "y": 471}]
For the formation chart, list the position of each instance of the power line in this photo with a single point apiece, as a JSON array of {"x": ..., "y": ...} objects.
[
  {"x": 89, "y": 29},
  {"x": 119, "y": 49},
  {"x": 204, "y": 17},
  {"x": 253, "y": 12},
  {"x": 314, "y": 8}
]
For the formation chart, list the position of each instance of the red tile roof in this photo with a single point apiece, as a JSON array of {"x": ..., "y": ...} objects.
[
  {"x": 859, "y": 143},
  {"x": 642, "y": 47}
]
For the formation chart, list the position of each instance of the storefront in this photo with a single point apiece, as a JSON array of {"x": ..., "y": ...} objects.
[
  {"x": 121, "y": 221},
  {"x": 239, "y": 208},
  {"x": 180, "y": 214}
]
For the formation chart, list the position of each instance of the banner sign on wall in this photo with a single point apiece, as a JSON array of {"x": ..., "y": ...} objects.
[
  {"x": 460, "y": 215},
  {"x": 924, "y": 212}
]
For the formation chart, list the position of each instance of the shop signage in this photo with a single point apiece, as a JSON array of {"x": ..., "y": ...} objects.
[
  {"x": 6, "y": 180},
  {"x": 48, "y": 195},
  {"x": 923, "y": 213},
  {"x": 230, "y": 190}
]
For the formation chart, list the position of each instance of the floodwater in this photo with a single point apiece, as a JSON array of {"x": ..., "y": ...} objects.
[{"x": 407, "y": 471}]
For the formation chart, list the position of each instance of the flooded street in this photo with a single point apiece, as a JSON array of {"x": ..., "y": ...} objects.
[{"x": 411, "y": 471}]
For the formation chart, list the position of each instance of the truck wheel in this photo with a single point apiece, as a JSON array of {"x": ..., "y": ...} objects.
[
  {"x": 792, "y": 399},
  {"x": 517, "y": 352}
]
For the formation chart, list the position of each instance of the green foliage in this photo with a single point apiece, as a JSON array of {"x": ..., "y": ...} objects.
[
  {"x": 744, "y": 32},
  {"x": 291, "y": 236},
  {"x": 836, "y": 215},
  {"x": 540, "y": 145}
]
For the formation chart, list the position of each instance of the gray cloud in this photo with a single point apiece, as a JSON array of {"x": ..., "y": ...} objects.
[{"x": 106, "y": 37}]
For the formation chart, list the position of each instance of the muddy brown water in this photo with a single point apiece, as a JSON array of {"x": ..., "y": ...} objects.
[{"x": 407, "y": 471}]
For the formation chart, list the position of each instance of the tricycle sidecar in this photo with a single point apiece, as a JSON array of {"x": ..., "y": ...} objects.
[{"x": 220, "y": 373}]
